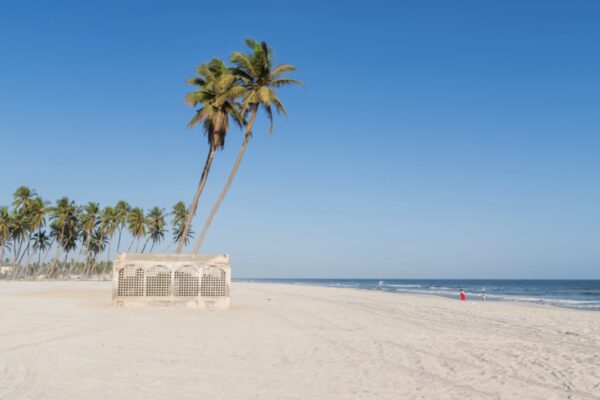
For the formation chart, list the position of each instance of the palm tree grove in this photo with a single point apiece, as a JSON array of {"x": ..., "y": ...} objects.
[{"x": 40, "y": 239}]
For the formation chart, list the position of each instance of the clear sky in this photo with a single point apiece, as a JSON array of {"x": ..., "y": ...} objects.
[{"x": 434, "y": 139}]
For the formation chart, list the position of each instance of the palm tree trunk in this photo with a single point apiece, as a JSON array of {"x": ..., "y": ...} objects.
[
  {"x": 92, "y": 266},
  {"x": 232, "y": 174},
  {"x": 26, "y": 251},
  {"x": 16, "y": 254},
  {"x": 2, "y": 254},
  {"x": 37, "y": 268},
  {"x": 47, "y": 252},
  {"x": 17, "y": 251},
  {"x": 28, "y": 247},
  {"x": 27, "y": 261},
  {"x": 52, "y": 267},
  {"x": 194, "y": 205},
  {"x": 23, "y": 269},
  {"x": 107, "y": 256},
  {"x": 65, "y": 263},
  {"x": 145, "y": 244},
  {"x": 119, "y": 240},
  {"x": 58, "y": 248}
]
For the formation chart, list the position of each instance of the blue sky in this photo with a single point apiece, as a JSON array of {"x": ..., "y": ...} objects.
[{"x": 434, "y": 139}]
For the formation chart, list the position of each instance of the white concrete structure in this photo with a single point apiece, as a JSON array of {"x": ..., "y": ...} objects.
[
  {"x": 6, "y": 270},
  {"x": 198, "y": 281}
]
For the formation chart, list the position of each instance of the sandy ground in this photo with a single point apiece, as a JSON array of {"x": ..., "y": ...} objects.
[{"x": 63, "y": 340}]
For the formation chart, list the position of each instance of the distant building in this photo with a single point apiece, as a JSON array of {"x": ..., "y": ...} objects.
[{"x": 6, "y": 270}]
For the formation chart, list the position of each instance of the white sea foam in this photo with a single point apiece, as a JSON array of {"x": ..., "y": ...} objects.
[
  {"x": 588, "y": 304},
  {"x": 344, "y": 285},
  {"x": 402, "y": 286},
  {"x": 424, "y": 291}
]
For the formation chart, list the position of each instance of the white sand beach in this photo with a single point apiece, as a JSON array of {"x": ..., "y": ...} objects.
[{"x": 63, "y": 340}]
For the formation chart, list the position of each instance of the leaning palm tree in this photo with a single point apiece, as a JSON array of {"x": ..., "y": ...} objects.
[
  {"x": 216, "y": 93},
  {"x": 136, "y": 224},
  {"x": 259, "y": 80},
  {"x": 155, "y": 223}
]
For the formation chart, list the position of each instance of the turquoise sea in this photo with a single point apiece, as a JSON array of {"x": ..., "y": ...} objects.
[{"x": 579, "y": 294}]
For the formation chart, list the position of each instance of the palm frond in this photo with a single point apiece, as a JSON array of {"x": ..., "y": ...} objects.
[
  {"x": 198, "y": 117},
  {"x": 282, "y": 69},
  {"x": 264, "y": 95},
  {"x": 279, "y": 106},
  {"x": 196, "y": 81},
  {"x": 284, "y": 82},
  {"x": 243, "y": 63},
  {"x": 269, "y": 113},
  {"x": 241, "y": 74},
  {"x": 251, "y": 43}
]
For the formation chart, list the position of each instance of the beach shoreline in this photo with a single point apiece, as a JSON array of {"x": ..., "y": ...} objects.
[
  {"x": 573, "y": 294},
  {"x": 64, "y": 340}
]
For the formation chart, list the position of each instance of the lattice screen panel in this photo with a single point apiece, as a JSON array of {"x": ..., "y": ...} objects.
[
  {"x": 186, "y": 281},
  {"x": 214, "y": 282},
  {"x": 131, "y": 281},
  {"x": 158, "y": 281}
]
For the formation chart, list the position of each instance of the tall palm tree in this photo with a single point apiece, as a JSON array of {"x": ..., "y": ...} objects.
[
  {"x": 136, "y": 224},
  {"x": 216, "y": 93},
  {"x": 34, "y": 212},
  {"x": 19, "y": 233},
  {"x": 259, "y": 80},
  {"x": 90, "y": 221},
  {"x": 41, "y": 243},
  {"x": 37, "y": 211},
  {"x": 64, "y": 228},
  {"x": 23, "y": 196},
  {"x": 95, "y": 245},
  {"x": 122, "y": 210},
  {"x": 23, "y": 199},
  {"x": 5, "y": 231},
  {"x": 179, "y": 213},
  {"x": 155, "y": 223},
  {"x": 108, "y": 225}
]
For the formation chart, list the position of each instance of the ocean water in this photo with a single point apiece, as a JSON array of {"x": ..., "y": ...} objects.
[{"x": 579, "y": 294}]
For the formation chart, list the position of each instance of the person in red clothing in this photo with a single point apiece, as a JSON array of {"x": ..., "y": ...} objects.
[{"x": 463, "y": 296}]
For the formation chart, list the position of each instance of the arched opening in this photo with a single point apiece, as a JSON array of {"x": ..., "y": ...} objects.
[
  {"x": 158, "y": 281},
  {"x": 186, "y": 281},
  {"x": 214, "y": 282},
  {"x": 131, "y": 281}
]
